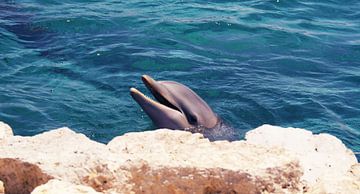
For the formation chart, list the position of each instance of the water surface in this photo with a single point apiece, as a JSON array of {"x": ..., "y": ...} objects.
[{"x": 287, "y": 63}]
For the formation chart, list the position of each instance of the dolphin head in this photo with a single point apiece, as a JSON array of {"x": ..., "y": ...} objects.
[{"x": 177, "y": 106}]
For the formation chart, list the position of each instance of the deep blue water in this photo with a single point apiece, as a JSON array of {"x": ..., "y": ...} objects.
[{"x": 288, "y": 63}]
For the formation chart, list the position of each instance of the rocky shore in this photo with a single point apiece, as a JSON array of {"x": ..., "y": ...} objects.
[{"x": 270, "y": 160}]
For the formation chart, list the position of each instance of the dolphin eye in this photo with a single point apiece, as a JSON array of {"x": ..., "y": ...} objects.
[{"x": 192, "y": 119}]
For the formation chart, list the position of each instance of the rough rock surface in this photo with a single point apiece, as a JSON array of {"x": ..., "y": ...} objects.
[
  {"x": 2, "y": 189},
  {"x": 5, "y": 131},
  {"x": 61, "y": 154},
  {"x": 271, "y": 160},
  {"x": 324, "y": 158},
  {"x": 187, "y": 163},
  {"x": 61, "y": 187}
]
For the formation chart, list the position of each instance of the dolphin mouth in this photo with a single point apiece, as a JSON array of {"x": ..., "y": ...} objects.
[{"x": 157, "y": 91}]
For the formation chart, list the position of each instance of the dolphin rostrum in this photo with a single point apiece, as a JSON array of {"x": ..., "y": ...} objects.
[{"x": 178, "y": 107}]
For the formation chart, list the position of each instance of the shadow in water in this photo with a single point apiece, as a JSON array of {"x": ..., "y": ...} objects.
[{"x": 16, "y": 19}]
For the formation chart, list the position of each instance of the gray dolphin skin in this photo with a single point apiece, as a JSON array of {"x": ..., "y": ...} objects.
[{"x": 178, "y": 107}]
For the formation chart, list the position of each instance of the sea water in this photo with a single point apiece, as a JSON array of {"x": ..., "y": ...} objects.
[{"x": 71, "y": 63}]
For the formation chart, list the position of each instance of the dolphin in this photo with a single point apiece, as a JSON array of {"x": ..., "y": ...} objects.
[{"x": 178, "y": 107}]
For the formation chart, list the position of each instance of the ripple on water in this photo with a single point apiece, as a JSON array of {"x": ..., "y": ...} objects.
[{"x": 288, "y": 63}]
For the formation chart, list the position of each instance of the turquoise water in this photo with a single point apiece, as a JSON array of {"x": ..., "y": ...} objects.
[{"x": 287, "y": 63}]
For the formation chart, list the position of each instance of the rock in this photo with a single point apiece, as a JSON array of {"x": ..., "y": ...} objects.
[
  {"x": 176, "y": 148},
  {"x": 5, "y": 131},
  {"x": 60, "y": 187},
  {"x": 2, "y": 189},
  {"x": 171, "y": 160},
  {"x": 325, "y": 159},
  {"x": 181, "y": 162},
  {"x": 174, "y": 161},
  {"x": 150, "y": 179},
  {"x": 61, "y": 154},
  {"x": 21, "y": 176}
]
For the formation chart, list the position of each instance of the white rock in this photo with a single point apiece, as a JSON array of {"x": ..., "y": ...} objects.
[
  {"x": 5, "y": 131},
  {"x": 2, "y": 189},
  {"x": 324, "y": 158},
  {"x": 182, "y": 162},
  {"x": 61, "y": 154},
  {"x": 61, "y": 187},
  {"x": 272, "y": 160},
  {"x": 178, "y": 148},
  {"x": 174, "y": 161}
]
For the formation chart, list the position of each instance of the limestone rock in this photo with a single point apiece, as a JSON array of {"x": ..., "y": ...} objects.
[
  {"x": 20, "y": 176},
  {"x": 176, "y": 148},
  {"x": 181, "y": 162},
  {"x": 173, "y": 161},
  {"x": 151, "y": 179},
  {"x": 325, "y": 159},
  {"x": 2, "y": 189},
  {"x": 5, "y": 131},
  {"x": 27, "y": 162},
  {"x": 60, "y": 187}
]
